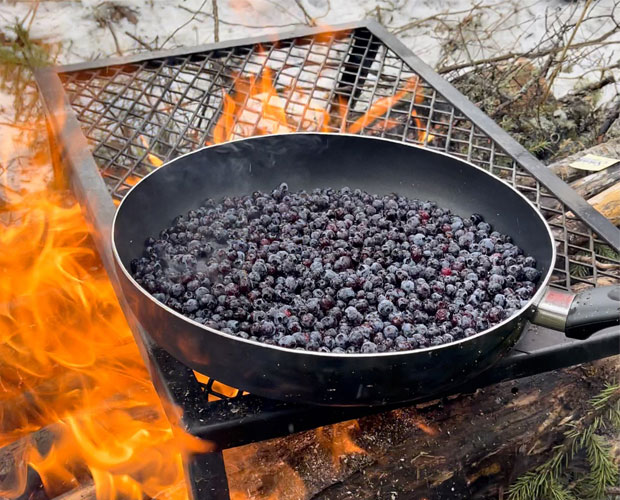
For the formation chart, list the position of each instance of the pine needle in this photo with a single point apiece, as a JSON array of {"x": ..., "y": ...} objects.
[{"x": 547, "y": 481}]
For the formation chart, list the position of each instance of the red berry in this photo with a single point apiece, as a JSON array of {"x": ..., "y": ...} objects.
[
  {"x": 446, "y": 271},
  {"x": 416, "y": 254}
]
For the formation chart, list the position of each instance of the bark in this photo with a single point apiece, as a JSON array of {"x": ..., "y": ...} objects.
[
  {"x": 467, "y": 446},
  {"x": 590, "y": 185},
  {"x": 606, "y": 202},
  {"x": 470, "y": 446}
]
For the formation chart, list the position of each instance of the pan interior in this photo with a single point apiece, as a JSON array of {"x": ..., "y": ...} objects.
[{"x": 308, "y": 161}]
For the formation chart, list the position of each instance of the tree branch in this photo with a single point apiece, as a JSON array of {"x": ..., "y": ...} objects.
[
  {"x": 199, "y": 11},
  {"x": 310, "y": 20},
  {"x": 216, "y": 21},
  {"x": 600, "y": 41}
]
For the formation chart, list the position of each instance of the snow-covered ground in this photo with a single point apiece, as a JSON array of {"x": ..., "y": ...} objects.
[{"x": 487, "y": 27}]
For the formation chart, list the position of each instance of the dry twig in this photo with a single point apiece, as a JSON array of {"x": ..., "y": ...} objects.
[
  {"x": 139, "y": 40},
  {"x": 216, "y": 21},
  {"x": 118, "y": 47},
  {"x": 599, "y": 42},
  {"x": 558, "y": 67},
  {"x": 191, "y": 19},
  {"x": 536, "y": 76},
  {"x": 309, "y": 19}
]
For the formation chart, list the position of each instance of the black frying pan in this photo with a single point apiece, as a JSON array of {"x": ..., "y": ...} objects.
[{"x": 307, "y": 161}]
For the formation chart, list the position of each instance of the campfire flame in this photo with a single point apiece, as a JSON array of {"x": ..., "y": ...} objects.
[
  {"x": 340, "y": 443},
  {"x": 70, "y": 372},
  {"x": 155, "y": 160},
  {"x": 256, "y": 107}
]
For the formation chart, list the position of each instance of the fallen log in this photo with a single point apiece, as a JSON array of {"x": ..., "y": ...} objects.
[
  {"x": 606, "y": 202},
  {"x": 471, "y": 446},
  {"x": 563, "y": 169},
  {"x": 588, "y": 186}
]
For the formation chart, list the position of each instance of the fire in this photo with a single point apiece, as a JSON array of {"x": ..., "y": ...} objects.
[
  {"x": 155, "y": 161},
  {"x": 413, "y": 418},
  {"x": 426, "y": 428},
  {"x": 256, "y": 107},
  {"x": 340, "y": 443},
  {"x": 380, "y": 107},
  {"x": 69, "y": 367}
]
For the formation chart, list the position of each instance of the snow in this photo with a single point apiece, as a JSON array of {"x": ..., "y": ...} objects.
[{"x": 494, "y": 27}]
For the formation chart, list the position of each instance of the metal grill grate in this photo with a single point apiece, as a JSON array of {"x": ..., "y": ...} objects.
[{"x": 137, "y": 115}]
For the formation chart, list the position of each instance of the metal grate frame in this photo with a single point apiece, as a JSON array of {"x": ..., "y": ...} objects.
[{"x": 113, "y": 121}]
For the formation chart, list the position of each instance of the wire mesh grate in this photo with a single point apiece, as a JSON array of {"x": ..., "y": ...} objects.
[{"x": 138, "y": 115}]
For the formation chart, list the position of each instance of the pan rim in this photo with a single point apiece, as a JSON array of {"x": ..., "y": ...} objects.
[{"x": 530, "y": 306}]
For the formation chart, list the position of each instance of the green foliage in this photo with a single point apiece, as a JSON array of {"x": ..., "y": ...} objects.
[
  {"x": 540, "y": 146},
  {"x": 23, "y": 51},
  {"x": 18, "y": 58},
  {"x": 603, "y": 471},
  {"x": 550, "y": 480},
  {"x": 603, "y": 251}
]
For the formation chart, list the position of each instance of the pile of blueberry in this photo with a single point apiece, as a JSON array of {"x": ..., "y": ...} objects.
[{"x": 340, "y": 271}]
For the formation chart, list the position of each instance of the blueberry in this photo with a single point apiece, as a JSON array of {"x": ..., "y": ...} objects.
[
  {"x": 353, "y": 315},
  {"x": 343, "y": 263},
  {"x": 336, "y": 270},
  {"x": 342, "y": 340},
  {"x": 266, "y": 328},
  {"x": 368, "y": 347},
  {"x": 190, "y": 306},
  {"x": 407, "y": 329},
  {"x": 408, "y": 286},
  {"x": 287, "y": 341},
  {"x": 385, "y": 308},
  {"x": 345, "y": 294},
  {"x": 531, "y": 274},
  {"x": 390, "y": 332}
]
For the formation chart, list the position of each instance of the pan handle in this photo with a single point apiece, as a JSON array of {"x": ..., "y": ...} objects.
[{"x": 582, "y": 314}]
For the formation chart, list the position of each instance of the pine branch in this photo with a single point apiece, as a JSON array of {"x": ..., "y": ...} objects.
[
  {"x": 544, "y": 481},
  {"x": 603, "y": 471}
]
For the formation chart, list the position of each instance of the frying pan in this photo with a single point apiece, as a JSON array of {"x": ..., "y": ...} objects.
[{"x": 380, "y": 166}]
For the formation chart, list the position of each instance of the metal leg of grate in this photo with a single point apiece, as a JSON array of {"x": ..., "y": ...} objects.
[{"x": 205, "y": 476}]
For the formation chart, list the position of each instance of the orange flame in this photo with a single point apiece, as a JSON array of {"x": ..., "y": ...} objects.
[
  {"x": 68, "y": 362},
  {"x": 255, "y": 107},
  {"x": 340, "y": 443},
  {"x": 382, "y": 106},
  {"x": 155, "y": 161},
  {"x": 424, "y": 427}
]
